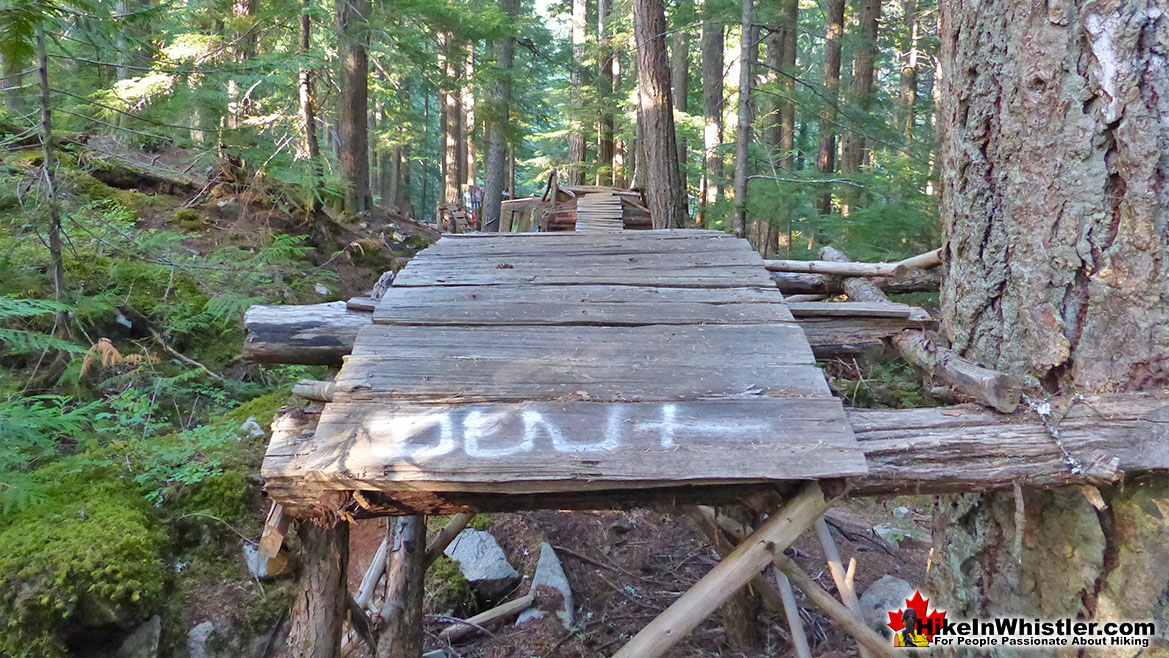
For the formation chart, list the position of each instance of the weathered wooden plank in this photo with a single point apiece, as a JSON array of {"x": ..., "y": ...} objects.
[
  {"x": 598, "y": 363},
  {"x": 540, "y": 446},
  {"x": 579, "y": 305},
  {"x": 693, "y": 276},
  {"x": 855, "y": 309},
  {"x": 477, "y": 249}
]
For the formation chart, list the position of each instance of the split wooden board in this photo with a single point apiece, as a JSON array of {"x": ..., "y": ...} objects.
[{"x": 573, "y": 363}]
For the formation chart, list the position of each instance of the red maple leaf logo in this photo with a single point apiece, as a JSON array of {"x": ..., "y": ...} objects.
[{"x": 931, "y": 621}]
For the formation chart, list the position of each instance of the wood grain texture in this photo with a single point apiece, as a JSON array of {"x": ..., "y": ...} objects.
[
  {"x": 568, "y": 369},
  {"x": 580, "y": 305}
]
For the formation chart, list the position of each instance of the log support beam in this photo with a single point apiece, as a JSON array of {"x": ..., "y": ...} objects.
[
  {"x": 401, "y": 614},
  {"x": 318, "y": 612}
]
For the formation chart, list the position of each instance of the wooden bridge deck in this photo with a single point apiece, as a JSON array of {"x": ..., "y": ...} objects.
[{"x": 561, "y": 369}]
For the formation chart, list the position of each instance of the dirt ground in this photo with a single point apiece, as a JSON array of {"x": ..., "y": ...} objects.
[{"x": 627, "y": 567}]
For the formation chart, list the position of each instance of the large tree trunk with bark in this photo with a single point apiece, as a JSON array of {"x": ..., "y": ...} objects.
[
  {"x": 664, "y": 190},
  {"x": 907, "y": 86},
  {"x": 712, "y": 110},
  {"x": 863, "y": 72},
  {"x": 1053, "y": 161},
  {"x": 497, "y": 169},
  {"x": 743, "y": 130},
  {"x": 451, "y": 120},
  {"x": 308, "y": 118},
  {"x": 680, "y": 75},
  {"x": 576, "y": 138},
  {"x": 606, "y": 174},
  {"x": 318, "y": 611},
  {"x": 826, "y": 153},
  {"x": 353, "y": 52}
]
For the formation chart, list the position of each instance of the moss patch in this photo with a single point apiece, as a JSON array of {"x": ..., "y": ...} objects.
[{"x": 88, "y": 555}]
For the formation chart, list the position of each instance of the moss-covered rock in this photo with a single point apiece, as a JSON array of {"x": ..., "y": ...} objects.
[{"x": 86, "y": 556}]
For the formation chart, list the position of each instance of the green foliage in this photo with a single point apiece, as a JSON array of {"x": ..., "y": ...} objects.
[{"x": 447, "y": 590}]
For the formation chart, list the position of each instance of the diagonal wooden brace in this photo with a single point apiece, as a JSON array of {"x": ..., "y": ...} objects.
[{"x": 735, "y": 571}]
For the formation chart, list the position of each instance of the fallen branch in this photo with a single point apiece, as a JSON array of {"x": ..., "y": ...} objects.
[
  {"x": 313, "y": 389},
  {"x": 184, "y": 358},
  {"x": 499, "y": 613},
  {"x": 992, "y": 388},
  {"x": 445, "y": 537}
]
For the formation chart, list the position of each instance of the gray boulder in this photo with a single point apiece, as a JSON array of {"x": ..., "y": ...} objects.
[
  {"x": 143, "y": 642},
  {"x": 483, "y": 563},
  {"x": 885, "y": 595},
  {"x": 198, "y": 639},
  {"x": 550, "y": 573}
]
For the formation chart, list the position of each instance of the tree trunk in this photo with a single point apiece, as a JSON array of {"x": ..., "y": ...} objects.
[
  {"x": 907, "y": 87},
  {"x": 863, "y": 72},
  {"x": 308, "y": 118},
  {"x": 826, "y": 154},
  {"x": 576, "y": 139},
  {"x": 353, "y": 52},
  {"x": 467, "y": 105},
  {"x": 405, "y": 573},
  {"x": 790, "y": 18},
  {"x": 497, "y": 169},
  {"x": 48, "y": 169},
  {"x": 606, "y": 172},
  {"x": 451, "y": 121},
  {"x": 318, "y": 611},
  {"x": 664, "y": 190},
  {"x": 743, "y": 132},
  {"x": 680, "y": 76},
  {"x": 712, "y": 110},
  {"x": 1054, "y": 214}
]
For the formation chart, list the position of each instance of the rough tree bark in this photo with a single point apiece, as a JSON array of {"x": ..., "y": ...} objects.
[
  {"x": 712, "y": 110},
  {"x": 497, "y": 169},
  {"x": 863, "y": 72},
  {"x": 318, "y": 611},
  {"x": 467, "y": 105},
  {"x": 606, "y": 173},
  {"x": 907, "y": 86},
  {"x": 826, "y": 153},
  {"x": 451, "y": 120},
  {"x": 576, "y": 138},
  {"x": 353, "y": 103},
  {"x": 1055, "y": 207},
  {"x": 312, "y": 146},
  {"x": 405, "y": 574},
  {"x": 743, "y": 130},
  {"x": 664, "y": 190},
  {"x": 680, "y": 75}
]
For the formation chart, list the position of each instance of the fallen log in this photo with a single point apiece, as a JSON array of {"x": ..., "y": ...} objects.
[
  {"x": 991, "y": 387},
  {"x": 322, "y": 334},
  {"x": 314, "y": 389},
  {"x": 857, "y": 288},
  {"x": 794, "y": 283},
  {"x": 498, "y": 613},
  {"x": 849, "y": 268},
  {"x": 310, "y": 334}
]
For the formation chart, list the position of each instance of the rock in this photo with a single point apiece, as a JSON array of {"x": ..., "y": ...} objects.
[
  {"x": 251, "y": 428},
  {"x": 143, "y": 642},
  {"x": 382, "y": 285},
  {"x": 263, "y": 568},
  {"x": 228, "y": 204},
  {"x": 437, "y": 653},
  {"x": 483, "y": 563},
  {"x": 213, "y": 639},
  {"x": 882, "y": 597},
  {"x": 321, "y": 289},
  {"x": 197, "y": 641},
  {"x": 550, "y": 573}
]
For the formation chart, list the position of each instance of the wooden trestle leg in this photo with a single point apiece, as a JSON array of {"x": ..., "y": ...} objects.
[
  {"x": 735, "y": 571},
  {"x": 401, "y": 636},
  {"x": 318, "y": 613}
]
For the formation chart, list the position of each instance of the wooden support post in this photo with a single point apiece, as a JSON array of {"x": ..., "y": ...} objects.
[
  {"x": 318, "y": 612},
  {"x": 792, "y": 612},
  {"x": 728, "y": 576},
  {"x": 867, "y": 637},
  {"x": 401, "y": 613},
  {"x": 373, "y": 575},
  {"x": 704, "y": 519},
  {"x": 446, "y": 536},
  {"x": 839, "y": 576}
]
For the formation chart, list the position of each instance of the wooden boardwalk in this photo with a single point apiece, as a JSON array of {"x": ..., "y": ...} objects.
[{"x": 571, "y": 370}]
